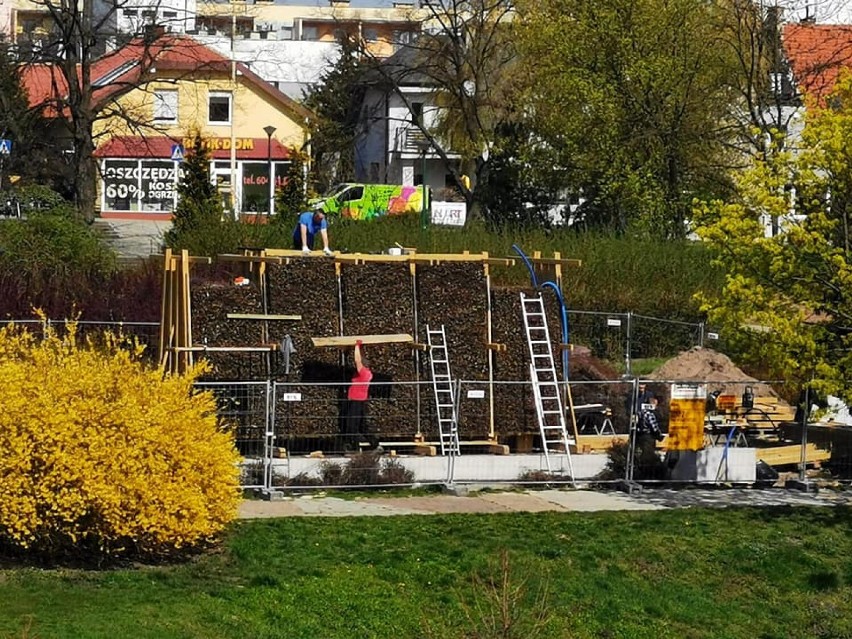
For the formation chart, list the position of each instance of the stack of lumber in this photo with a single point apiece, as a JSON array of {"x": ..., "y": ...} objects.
[
  {"x": 792, "y": 455},
  {"x": 378, "y": 300},
  {"x": 307, "y": 287},
  {"x": 211, "y": 303},
  {"x": 455, "y": 294},
  {"x": 514, "y": 410}
]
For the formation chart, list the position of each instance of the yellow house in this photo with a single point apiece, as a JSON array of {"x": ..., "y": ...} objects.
[{"x": 179, "y": 87}]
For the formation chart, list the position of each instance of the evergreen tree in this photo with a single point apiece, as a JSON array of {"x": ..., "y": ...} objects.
[
  {"x": 290, "y": 199},
  {"x": 199, "y": 206},
  {"x": 21, "y": 125},
  {"x": 337, "y": 103}
]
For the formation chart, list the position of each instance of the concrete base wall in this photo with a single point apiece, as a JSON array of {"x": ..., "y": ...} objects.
[
  {"x": 468, "y": 468},
  {"x": 709, "y": 465}
]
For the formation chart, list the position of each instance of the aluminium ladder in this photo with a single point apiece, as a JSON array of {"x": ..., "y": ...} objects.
[
  {"x": 442, "y": 383},
  {"x": 545, "y": 383}
]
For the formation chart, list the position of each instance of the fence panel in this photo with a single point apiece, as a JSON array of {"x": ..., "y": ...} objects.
[
  {"x": 144, "y": 333},
  {"x": 605, "y": 334},
  {"x": 243, "y": 409},
  {"x": 321, "y": 440}
]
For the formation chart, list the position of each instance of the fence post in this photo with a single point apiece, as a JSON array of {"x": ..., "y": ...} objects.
[
  {"x": 701, "y": 334},
  {"x": 627, "y": 350},
  {"x": 804, "y": 458},
  {"x": 631, "y": 437},
  {"x": 269, "y": 439}
]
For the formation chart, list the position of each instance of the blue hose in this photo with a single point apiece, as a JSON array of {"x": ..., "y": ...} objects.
[
  {"x": 564, "y": 311},
  {"x": 526, "y": 260}
]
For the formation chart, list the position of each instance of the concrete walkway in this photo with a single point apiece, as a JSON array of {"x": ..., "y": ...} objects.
[{"x": 319, "y": 505}]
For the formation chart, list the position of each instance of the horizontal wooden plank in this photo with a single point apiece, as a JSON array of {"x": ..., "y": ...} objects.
[
  {"x": 193, "y": 259},
  {"x": 787, "y": 455},
  {"x": 227, "y": 257},
  {"x": 350, "y": 340},
  {"x": 261, "y": 316}
]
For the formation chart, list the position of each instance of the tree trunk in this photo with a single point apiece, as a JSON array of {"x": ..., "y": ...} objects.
[{"x": 85, "y": 191}]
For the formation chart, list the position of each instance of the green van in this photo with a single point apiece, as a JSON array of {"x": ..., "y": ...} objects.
[{"x": 366, "y": 201}]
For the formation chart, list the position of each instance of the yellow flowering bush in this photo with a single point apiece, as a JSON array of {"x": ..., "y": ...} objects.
[{"x": 101, "y": 454}]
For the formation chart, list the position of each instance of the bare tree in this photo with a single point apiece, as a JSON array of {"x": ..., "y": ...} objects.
[
  {"x": 467, "y": 61},
  {"x": 66, "y": 65}
]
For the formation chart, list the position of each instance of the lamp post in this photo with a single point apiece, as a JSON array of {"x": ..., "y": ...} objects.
[
  {"x": 269, "y": 131},
  {"x": 424, "y": 145}
]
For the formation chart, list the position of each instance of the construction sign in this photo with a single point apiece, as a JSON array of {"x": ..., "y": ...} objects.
[{"x": 686, "y": 417}]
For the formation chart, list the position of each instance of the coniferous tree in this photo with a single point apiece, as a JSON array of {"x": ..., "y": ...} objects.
[
  {"x": 199, "y": 205},
  {"x": 337, "y": 103},
  {"x": 290, "y": 199},
  {"x": 18, "y": 123}
]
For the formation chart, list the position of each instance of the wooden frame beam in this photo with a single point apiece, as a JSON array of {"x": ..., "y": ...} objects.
[
  {"x": 262, "y": 316},
  {"x": 347, "y": 341}
]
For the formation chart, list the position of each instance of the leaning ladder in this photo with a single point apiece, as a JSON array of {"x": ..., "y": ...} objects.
[
  {"x": 444, "y": 393},
  {"x": 545, "y": 383}
]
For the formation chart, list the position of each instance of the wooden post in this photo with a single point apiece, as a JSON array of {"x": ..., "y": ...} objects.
[
  {"x": 166, "y": 326},
  {"x": 412, "y": 267},
  {"x": 184, "y": 331},
  {"x": 557, "y": 255},
  {"x": 492, "y": 436}
]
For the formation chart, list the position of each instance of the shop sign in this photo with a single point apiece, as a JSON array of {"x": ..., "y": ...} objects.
[{"x": 221, "y": 144}]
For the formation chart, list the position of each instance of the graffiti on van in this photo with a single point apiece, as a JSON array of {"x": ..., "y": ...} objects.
[{"x": 369, "y": 201}]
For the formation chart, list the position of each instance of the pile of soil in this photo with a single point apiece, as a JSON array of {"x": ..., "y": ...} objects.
[{"x": 713, "y": 368}]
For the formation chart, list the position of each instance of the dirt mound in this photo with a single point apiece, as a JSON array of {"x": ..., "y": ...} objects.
[{"x": 706, "y": 365}]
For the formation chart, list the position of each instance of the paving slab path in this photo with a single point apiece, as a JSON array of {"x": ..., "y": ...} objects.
[{"x": 318, "y": 505}]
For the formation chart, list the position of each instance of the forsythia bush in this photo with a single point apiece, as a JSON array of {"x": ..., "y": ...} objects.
[{"x": 100, "y": 454}]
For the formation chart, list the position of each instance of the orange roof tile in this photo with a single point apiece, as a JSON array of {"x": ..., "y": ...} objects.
[
  {"x": 122, "y": 69},
  {"x": 816, "y": 53}
]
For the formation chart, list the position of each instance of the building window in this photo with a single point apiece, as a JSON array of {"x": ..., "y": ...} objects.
[
  {"x": 417, "y": 113},
  {"x": 371, "y": 34},
  {"x": 170, "y": 14},
  {"x": 149, "y": 13},
  {"x": 309, "y": 33},
  {"x": 140, "y": 185},
  {"x": 131, "y": 13},
  {"x": 219, "y": 108},
  {"x": 165, "y": 106}
]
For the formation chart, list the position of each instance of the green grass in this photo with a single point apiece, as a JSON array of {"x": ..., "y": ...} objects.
[
  {"x": 640, "y": 366},
  {"x": 686, "y": 573}
]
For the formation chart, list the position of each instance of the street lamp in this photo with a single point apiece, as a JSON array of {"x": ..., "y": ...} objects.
[
  {"x": 269, "y": 131},
  {"x": 424, "y": 145}
]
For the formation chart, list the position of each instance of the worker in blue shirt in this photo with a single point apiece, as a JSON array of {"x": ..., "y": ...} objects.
[{"x": 310, "y": 223}]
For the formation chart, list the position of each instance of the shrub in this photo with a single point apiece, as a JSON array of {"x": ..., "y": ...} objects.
[
  {"x": 102, "y": 456},
  {"x": 647, "y": 465},
  {"x": 53, "y": 259}
]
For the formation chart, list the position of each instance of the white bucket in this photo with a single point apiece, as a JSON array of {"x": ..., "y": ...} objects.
[{"x": 395, "y": 251}]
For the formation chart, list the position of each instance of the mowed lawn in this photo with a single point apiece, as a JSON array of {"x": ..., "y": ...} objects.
[{"x": 753, "y": 573}]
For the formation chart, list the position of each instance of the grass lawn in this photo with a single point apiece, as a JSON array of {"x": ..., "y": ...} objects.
[{"x": 687, "y": 573}]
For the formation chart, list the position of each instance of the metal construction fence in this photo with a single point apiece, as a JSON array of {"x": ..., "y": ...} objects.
[
  {"x": 623, "y": 337},
  {"x": 296, "y": 436},
  {"x": 143, "y": 333}
]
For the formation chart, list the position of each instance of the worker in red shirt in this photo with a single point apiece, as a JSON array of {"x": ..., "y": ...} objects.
[{"x": 356, "y": 405}]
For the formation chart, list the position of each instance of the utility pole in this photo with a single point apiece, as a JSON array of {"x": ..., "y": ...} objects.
[{"x": 233, "y": 111}]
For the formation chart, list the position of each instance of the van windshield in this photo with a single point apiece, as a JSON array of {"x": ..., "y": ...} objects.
[{"x": 336, "y": 190}]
